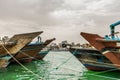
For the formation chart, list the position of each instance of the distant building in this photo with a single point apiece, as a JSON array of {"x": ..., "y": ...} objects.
[
  {"x": 54, "y": 46},
  {"x": 86, "y": 45}
]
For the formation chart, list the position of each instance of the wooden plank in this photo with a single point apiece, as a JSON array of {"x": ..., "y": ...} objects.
[
  {"x": 31, "y": 51},
  {"x": 3, "y": 63},
  {"x": 21, "y": 41}
]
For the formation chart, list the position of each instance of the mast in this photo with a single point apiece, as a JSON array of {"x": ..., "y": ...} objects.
[{"x": 112, "y": 28}]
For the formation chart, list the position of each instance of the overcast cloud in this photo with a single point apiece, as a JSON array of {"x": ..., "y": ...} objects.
[{"x": 62, "y": 19}]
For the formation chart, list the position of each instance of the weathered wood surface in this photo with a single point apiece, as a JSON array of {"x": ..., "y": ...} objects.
[
  {"x": 21, "y": 40},
  {"x": 30, "y": 52}
]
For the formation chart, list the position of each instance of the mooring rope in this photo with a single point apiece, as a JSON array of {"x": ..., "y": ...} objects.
[
  {"x": 42, "y": 46},
  {"x": 65, "y": 61},
  {"x": 28, "y": 55},
  {"x": 103, "y": 76},
  {"x": 114, "y": 69},
  {"x": 110, "y": 64},
  {"x": 96, "y": 74},
  {"x": 69, "y": 75},
  {"x": 20, "y": 63},
  {"x": 73, "y": 75},
  {"x": 106, "y": 71}
]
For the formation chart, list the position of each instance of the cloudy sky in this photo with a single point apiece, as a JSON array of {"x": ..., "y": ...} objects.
[{"x": 62, "y": 19}]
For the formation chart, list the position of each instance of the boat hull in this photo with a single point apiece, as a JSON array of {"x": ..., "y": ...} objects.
[
  {"x": 92, "y": 59},
  {"x": 107, "y": 47},
  {"x": 41, "y": 55},
  {"x": 28, "y": 53},
  {"x": 94, "y": 67},
  {"x": 31, "y": 52},
  {"x": 9, "y": 51}
]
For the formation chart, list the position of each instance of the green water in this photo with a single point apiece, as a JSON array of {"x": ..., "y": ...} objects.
[
  {"x": 16, "y": 72},
  {"x": 104, "y": 75},
  {"x": 44, "y": 70}
]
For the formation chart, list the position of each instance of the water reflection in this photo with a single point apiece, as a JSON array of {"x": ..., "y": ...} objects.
[{"x": 64, "y": 66}]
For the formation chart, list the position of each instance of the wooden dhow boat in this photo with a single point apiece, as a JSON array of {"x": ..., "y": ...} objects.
[
  {"x": 9, "y": 48},
  {"x": 42, "y": 54},
  {"x": 92, "y": 59},
  {"x": 32, "y": 51},
  {"x": 107, "y": 45}
]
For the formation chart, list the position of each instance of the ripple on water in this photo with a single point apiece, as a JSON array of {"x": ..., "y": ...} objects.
[{"x": 49, "y": 69}]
